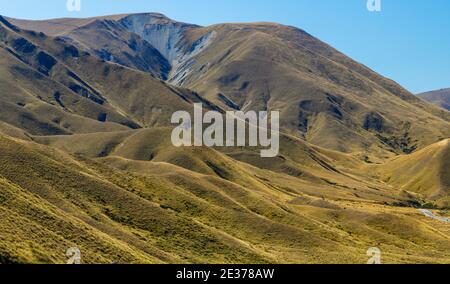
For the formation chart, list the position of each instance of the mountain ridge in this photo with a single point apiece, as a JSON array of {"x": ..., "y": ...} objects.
[{"x": 87, "y": 161}]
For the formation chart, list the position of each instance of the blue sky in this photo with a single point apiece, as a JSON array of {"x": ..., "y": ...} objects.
[{"x": 408, "y": 41}]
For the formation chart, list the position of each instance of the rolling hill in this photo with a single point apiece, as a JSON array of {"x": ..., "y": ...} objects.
[
  {"x": 134, "y": 211},
  {"x": 425, "y": 171},
  {"x": 86, "y": 158}
]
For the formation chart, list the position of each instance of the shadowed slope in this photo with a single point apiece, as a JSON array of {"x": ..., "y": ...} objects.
[
  {"x": 323, "y": 96},
  {"x": 111, "y": 41},
  {"x": 94, "y": 202},
  {"x": 127, "y": 195},
  {"x": 55, "y": 75},
  {"x": 298, "y": 169}
]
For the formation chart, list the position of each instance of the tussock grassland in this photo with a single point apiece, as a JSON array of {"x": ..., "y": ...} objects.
[
  {"x": 86, "y": 159},
  {"x": 121, "y": 210}
]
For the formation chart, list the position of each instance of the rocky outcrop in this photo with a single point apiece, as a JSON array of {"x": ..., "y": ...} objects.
[{"x": 168, "y": 37}]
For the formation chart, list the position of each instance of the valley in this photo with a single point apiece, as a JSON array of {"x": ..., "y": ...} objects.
[{"x": 87, "y": 161}]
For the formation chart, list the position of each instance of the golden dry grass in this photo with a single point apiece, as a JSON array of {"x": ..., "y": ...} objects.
[
  {"x": 121, "y": 210},
  {"x": 105, "y": 177}
]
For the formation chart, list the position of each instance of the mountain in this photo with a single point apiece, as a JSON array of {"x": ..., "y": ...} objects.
[
  {"x": 425, "y": 171},
  {"x": 439, "y": 97},
  {"x": 147, "y": 42},
  {"x": 323, "y": 96},
  {"x": 49, "y": 86},
  {"x": 87, "y": 161}
]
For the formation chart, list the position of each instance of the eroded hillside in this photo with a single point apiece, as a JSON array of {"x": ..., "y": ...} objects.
[{"x": 87, "y": 161}]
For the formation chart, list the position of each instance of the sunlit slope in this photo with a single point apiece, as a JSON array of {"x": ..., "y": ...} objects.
[
  {"x": 425, "y": 172},
  {"x": 143, "y": 211},
  {"x": 112, "y": 213},
  {"x": 323, "y": 96},
  {"x": 40, "y": 94},
  {"x": 299, "y": 168},
  {"x": 28, "y": 102}
]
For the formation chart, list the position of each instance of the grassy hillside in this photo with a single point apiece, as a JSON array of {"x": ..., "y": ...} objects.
[
  {"x": 323, "y": 96},
  {"x": 86, "y": 159},
  {"x": 112, "y": 42},
  {"x": 119, "y": 210},
  {"x": 41, "y": 73},
  {"x": 425, "y": 172}
]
